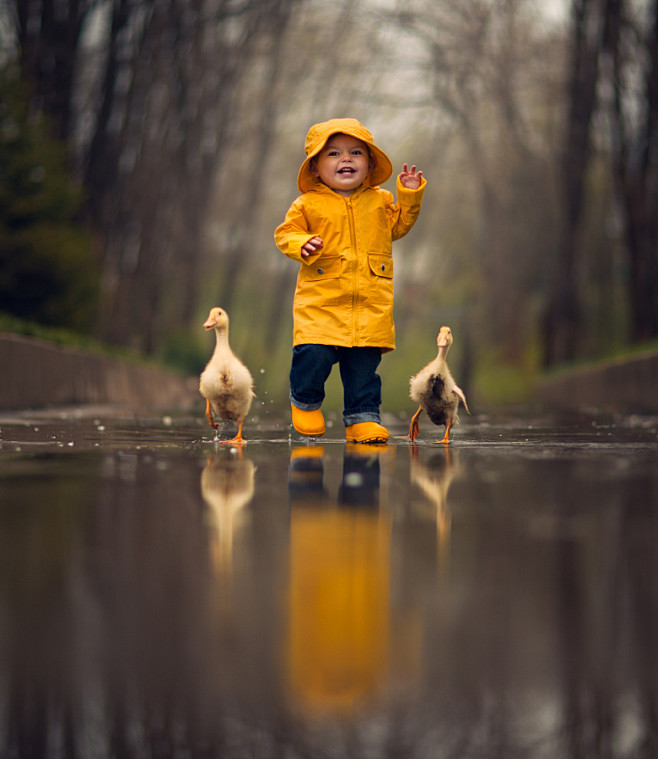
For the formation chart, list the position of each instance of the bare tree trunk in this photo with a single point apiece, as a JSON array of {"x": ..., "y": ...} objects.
[
  {"x": 48, "y": 35},
  {"x": 168, "y": 93},
  {"x": 635, "y": 167},
  {"x": 562, "y": 321},
  {"x": 241, "y": 234},
  {"x": 645, "y": 262}
]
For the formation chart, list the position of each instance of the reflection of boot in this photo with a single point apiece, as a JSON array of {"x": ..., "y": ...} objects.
[
  {"x": 360, "y": 483},
  {"x": 305, "y": 474}
]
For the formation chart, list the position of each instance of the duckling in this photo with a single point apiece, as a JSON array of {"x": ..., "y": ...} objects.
[
  {"x": 225, "y": 383},
  {"x": 434, "y": 389}
]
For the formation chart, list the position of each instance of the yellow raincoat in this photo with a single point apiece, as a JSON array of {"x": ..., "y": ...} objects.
[{"x": 344, "y": 294}]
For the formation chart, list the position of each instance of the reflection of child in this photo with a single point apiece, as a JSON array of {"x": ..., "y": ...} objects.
[{"x": 341, "y": 231}]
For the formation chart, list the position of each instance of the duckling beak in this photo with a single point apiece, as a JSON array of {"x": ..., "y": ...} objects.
[{"x": 210, "y": 322}]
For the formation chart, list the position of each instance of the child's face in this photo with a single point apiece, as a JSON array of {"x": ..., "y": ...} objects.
[{"x": 342, "y": 164}]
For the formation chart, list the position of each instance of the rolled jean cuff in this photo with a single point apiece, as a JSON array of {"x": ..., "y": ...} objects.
[
  {"x": 304, "y": 406},
  {"x": 361, "y": 416}
]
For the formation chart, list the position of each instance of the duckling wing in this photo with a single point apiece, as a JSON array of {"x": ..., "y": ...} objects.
[
  {"x": 241, "y": 378},
  {"x": 238, "y": 389},
  {"x": 460, "y": 394}
]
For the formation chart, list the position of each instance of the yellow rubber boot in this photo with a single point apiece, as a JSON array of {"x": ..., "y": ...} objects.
[
  {"x": 308, "y": 423},
  {"x": 366, "y": 432}
]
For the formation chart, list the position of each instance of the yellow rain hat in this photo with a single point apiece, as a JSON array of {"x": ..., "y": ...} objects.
[{"x": 316, "y": 139}]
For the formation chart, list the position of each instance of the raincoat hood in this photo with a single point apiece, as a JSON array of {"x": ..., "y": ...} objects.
[{"x": 316, "y": 139}]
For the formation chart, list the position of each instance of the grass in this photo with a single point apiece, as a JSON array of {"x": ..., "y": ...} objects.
[
  {"x": 620, "y": 353},
  {"x": 68, "y": 338}
]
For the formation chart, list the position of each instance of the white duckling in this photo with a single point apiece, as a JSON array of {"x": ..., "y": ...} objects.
[
  {"x": 225, "y": 383},
  {"x": 435, "y": 391}
]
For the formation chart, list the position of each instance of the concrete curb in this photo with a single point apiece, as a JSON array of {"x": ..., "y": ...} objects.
[
  {"x": 626, "y": 385},
  {"x": 36, "y": 373}
]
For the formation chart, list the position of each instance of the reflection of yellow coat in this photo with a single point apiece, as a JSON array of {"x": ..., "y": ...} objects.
[
  {"x": 338, "y": 626},
  {"x": 344, "y": 291}
]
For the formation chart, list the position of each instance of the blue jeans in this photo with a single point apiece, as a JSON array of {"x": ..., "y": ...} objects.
[{"x": 362, "y": 386}]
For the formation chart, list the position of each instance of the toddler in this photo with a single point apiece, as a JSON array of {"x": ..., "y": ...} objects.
[{"x": 341, "y": 229}]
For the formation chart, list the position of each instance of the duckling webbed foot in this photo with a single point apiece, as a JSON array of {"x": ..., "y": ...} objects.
[
  {"x": 238, "y": 439},
  {"x": 414, "y": 427},
  {"x": 446, "y": 437},
  {"x": 209, "y": 416}
]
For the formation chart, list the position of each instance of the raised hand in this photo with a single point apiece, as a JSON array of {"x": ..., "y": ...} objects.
[{"x": 410, "y": 178}]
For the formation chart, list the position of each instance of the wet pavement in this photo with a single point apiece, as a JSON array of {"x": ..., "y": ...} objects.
[{"x": 162, "y": 595}]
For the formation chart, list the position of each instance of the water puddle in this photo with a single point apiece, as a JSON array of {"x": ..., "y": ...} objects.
[{"x": 163, "y": 595}]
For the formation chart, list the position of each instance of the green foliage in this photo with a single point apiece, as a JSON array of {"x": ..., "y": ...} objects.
[
  {"x": 499, "y": 382},
  {"x": 47, "y": 272},
  {"x": 185, "y": 353}
]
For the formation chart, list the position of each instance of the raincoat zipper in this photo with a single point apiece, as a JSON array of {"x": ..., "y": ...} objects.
[{"x": 355, "y": 267}]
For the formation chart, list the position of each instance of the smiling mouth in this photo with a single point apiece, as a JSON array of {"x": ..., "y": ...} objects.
[{"x": 346, "y": 171}]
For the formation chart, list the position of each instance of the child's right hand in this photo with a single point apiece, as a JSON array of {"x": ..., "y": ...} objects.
[{"x": 312, "y": 246}]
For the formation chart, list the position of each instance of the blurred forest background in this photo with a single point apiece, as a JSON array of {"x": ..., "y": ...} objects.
[{"x": 148, "y": 149}]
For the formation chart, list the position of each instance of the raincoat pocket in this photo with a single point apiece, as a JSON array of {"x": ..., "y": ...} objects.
[
  {"x": 381, "y": 265},
  {"x": 319, "y": 283},
  {"x": 323, "y": 268}
]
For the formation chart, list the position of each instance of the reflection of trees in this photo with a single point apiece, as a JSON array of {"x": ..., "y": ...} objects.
[
  {"x": 537, "y": 641},
  {"x": 567, "y": 562},
  {"x": 149, "y": 568},
  {"x": 109, "y": 640},
  {"x": 38, "y": 544},
  {"x": 607, "y": 607},
  {"x": 639, "y": 556}
]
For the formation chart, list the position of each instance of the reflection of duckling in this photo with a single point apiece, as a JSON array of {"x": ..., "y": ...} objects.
[
  {"x": 435, "y": 481},
  {"x": 227, "y": 485},
  {"x": 226, "y": 383},
  {"x": 434, "y": 389}
]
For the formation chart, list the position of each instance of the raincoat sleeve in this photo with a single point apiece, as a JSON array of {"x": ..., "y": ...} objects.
[
  {"x": 403, "y": 214},
  {"x": 294, "y": 232}
]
